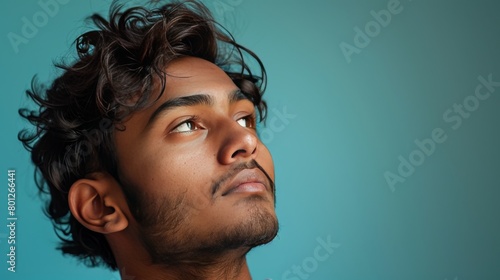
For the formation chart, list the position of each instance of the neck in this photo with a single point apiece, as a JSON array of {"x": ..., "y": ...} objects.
[
  {"x": 224, "y": 269},
  {"x": 230, "y": 265}
]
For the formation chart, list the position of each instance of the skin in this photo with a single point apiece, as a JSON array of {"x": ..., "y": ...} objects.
[{"x": 200, "y": 191}]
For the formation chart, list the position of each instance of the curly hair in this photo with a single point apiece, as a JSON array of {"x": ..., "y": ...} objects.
[{"x": 115, "y": 74}]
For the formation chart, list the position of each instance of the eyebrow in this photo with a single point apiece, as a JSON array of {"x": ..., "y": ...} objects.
[{"x": 191, "y": 100}]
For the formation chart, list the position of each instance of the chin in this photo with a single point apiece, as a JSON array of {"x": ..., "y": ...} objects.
[{"x": 258, "y": 226}]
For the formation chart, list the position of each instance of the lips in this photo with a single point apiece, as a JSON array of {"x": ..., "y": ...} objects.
[{"x": 247, "y": 181}]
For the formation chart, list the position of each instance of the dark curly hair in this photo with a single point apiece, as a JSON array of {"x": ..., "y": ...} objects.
[{"x": 116, "y": 73}]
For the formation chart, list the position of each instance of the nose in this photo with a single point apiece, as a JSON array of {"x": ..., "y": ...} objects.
[{"x": 237, "y": 143}]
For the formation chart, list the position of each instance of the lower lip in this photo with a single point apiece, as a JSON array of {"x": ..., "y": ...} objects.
[{"x": 248, "y": 188}]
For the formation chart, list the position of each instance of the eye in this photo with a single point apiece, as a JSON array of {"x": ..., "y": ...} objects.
[
  {"x": 186, "y": 126},
  {"x": 247, "y": 121}
]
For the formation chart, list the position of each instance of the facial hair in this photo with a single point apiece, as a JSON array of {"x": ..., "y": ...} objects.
[{"x": 165, "y": 230}]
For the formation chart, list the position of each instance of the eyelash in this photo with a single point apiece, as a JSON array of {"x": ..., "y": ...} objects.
[
  {"x": 251, "y": 122},
  {"x": 252, "y": 119},
  {"x": 192, "y": 119}
]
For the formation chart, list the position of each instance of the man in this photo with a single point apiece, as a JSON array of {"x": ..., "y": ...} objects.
[{"x": 148, "y": 149}]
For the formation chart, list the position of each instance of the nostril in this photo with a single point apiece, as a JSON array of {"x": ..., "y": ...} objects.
[{"x": 240, "y": 151}]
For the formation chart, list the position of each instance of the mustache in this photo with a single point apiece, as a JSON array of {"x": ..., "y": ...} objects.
[{"x": 236, "y": 169}]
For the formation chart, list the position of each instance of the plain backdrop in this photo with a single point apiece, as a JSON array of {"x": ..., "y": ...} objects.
[{"x": 355, "y": 98}]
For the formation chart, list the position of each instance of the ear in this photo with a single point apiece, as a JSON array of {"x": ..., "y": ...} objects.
[{"x": 97, "y": 203}]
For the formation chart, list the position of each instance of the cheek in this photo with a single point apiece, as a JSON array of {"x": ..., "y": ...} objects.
[
  {"x": 186, "y": 174},
  {"x": 174, "y": 170}
]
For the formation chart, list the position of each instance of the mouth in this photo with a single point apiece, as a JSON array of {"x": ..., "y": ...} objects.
[{"x": 247, "y": 181}]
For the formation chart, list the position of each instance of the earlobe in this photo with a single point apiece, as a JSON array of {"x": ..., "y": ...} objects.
[{"x": 96, "y": 203}]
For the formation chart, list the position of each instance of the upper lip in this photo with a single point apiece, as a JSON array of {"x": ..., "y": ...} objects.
[{"x": 254, "y": 175}]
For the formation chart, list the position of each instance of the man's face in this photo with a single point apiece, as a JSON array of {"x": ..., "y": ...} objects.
[{"x": 198, "y": 179}]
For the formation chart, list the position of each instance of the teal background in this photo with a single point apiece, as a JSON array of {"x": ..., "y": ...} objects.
[{"x": 348, "y": 123}]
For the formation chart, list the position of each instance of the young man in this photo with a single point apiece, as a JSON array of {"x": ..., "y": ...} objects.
[{"x": 147, "y": 147}]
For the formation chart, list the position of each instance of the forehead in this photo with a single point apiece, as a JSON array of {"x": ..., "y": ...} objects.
[{"x": 191, "y": 75}]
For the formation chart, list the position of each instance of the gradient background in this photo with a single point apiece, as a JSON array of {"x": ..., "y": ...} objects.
[{"x": 348, "y": 123}]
